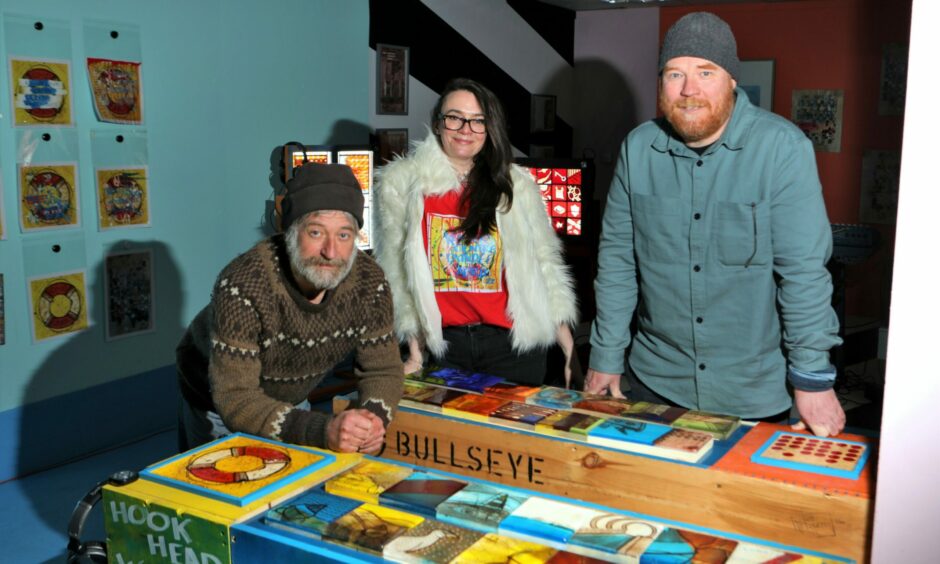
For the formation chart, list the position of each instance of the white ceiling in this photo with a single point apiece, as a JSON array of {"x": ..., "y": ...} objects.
[{"x": 578, "y": 5}]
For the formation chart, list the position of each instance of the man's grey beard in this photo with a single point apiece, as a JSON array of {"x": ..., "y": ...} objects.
[{"x": 309, "y": 268}]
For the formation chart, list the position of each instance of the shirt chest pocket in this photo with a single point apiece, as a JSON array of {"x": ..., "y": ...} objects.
[
  {"x": 743, "y": 234},
  {"x": 658, "y": 229}
]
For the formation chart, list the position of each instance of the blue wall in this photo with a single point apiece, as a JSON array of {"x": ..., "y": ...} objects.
[{"x": 225, "y": 83}]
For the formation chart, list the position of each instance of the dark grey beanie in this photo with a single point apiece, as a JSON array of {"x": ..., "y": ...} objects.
[
  {"x": 316, "y": 187},
  {"x": 703, "y": 35}
]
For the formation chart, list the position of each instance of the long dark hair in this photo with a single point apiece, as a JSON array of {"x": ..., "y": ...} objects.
[{"x": 489, "y": 184}]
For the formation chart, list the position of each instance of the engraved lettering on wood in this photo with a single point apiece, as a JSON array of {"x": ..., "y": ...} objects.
[
  {"x": 817, "y": 525},
  {"x": 426, "y": 450}
]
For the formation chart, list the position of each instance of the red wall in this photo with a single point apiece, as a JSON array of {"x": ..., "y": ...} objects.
[{"x": 828, "y": 45}]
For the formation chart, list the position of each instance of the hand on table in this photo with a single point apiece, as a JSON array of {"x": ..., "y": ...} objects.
[
  {"x": 821, "y": 412},
  {"x": 596, "y": 382}
]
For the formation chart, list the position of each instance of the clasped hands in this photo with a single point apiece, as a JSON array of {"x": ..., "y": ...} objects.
[{"x": 355, "y": 430}]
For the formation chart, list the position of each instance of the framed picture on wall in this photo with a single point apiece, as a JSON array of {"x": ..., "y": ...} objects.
[
  {"x": 3, "y": 229},
  {"x": 881, "y": 174},
  {"x": 391, "y": 81},
  {"x": 128, "y": 294},
  {"x": 3, "y": 332},
  {"x": 757, "y": 80},
  {"x": 892, "y": 92},
  {"x": 392, "y": 142},
  {"x": 543, "y": 113},
  {"x": 819, "y": 114}
]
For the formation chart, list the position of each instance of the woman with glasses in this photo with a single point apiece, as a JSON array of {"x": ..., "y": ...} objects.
[{"x": 476, "y": 271}]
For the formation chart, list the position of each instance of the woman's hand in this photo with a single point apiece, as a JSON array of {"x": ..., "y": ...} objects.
[
  {"x": 566, "y": 343},
  {"x": 415, "y": 361}
]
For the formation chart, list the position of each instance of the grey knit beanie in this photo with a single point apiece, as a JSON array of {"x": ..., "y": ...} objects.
[
  {"x": 316, "y": 187},
  {"x": 703, "y": 35}
]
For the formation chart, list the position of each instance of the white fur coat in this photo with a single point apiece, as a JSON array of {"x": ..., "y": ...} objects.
[{"x": 541, "y": 295}]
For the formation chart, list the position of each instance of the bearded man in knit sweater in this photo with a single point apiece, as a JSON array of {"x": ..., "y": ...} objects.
[{"x": 282, "y": 315}]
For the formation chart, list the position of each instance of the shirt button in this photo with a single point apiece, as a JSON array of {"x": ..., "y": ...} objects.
[
  {"x": 701, "y": 367},
  {"x": 700, "y": 163},
  {"x": 697, "y": 216},
  {"x": 696, "y": 268},
  {"x": 699, "y": 320}
]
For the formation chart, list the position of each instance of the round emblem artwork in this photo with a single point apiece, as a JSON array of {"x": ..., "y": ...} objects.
[
  {"x": 123, "y": 198},
  {"x": 49, "y": 110},
  {"x": 48, "y": 196},
  {"x": 60, "y": 305},
  {"x": 117, "y": 90},
  {"x": 238, "y": 464}
]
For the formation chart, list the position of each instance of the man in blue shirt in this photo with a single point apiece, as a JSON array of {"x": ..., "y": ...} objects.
[{"x": 716, "y": 236}]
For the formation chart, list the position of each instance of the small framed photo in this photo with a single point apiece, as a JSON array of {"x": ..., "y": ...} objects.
[
  {"x": 392, "y": 142},
  {"x": 391, "y": 81},
  {"x": 819, "y": 114},
  {"x": 892, "y": 92},
  {"x": 2, "y": 315},
  {"x": 543, "y": 113},
  {"x": 756, "y": 78},
  {"x": 129, "y": 294}
]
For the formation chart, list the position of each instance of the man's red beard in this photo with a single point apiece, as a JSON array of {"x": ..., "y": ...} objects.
[{"x": 705, "y": 124}]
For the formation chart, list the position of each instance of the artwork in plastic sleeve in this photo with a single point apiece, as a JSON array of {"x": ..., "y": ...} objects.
[
  {"x": 116, "y": 91},
  {"x": 41, "y": 92},
  {"x": 58, "y": 305},
  {"x": 123, "y": 197},
  {"x": 48, "y": 197}
]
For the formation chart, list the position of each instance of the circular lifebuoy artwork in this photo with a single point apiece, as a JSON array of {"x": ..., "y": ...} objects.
[
  {"x": 44, "y": 75},
  {"x": 41, "y": 92},
  {"x": 60, "y": 305},
  {"x": 116, "y": 90},
  {"x": 48, "y": 197},
  {"x": 123, "y": 197},
  {"x": 238, "y": 464}
]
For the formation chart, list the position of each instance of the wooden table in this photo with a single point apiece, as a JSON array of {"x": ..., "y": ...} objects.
[{"x": 807, "y": 515}]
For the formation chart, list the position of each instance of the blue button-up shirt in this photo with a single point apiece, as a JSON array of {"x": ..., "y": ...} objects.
[{"x": 722, "y": 258}]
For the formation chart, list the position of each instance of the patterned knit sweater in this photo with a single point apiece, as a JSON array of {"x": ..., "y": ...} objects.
[{"x": 260, "y": 347}]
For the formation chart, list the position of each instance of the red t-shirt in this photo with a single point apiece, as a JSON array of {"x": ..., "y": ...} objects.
[{"x": 468, "y": 279}]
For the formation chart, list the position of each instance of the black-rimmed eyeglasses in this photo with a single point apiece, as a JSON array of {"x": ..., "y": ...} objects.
[{"x": 456, "y": 123}]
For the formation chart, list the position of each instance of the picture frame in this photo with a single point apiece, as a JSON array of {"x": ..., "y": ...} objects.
[
  {"x": 391, "y": 79},
  {"x": 756, "y": 78},
  {"x": 893, "y": 84},
  {"x": 819, "y": 114},
  {"x": 881, "y": 174},
  {"x": 129, "y": 293},
  {"x": 543, "y": 113},
  {"x": 391, "y": 142},
  {"x": 3, "y": 331}
]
